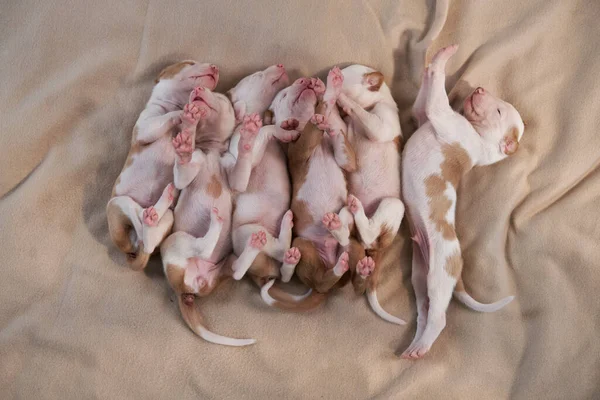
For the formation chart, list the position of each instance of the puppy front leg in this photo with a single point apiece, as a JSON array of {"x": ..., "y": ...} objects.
[
  {"x": 339, "y": 225},
  {"x": 437, "y": 105},
  {"x": 239, "y": 173},
  {"x": 154, "y": 128},
  {"x": 381, "y": 125}
]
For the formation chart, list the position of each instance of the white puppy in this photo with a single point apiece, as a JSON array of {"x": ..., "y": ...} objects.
[
  {"x": 138, "y": 212},
  {"x": 435, "y": 158}
]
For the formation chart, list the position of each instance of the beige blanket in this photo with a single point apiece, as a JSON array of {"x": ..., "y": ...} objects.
[{"x": 75, "y": 323}]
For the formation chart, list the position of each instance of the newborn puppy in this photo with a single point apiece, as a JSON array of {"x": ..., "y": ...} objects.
[
  {"x": 195, "y": 256},
  {"x": 374, "y": 204},
  {"x": 435, "y": 158},
  {"x": 138, "y": 212},
  {"x": 262, "y": 229},
  {"x": 318, "y": 162}
]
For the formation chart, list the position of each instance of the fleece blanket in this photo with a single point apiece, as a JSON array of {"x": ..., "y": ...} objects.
[{"x": 76, "y": 323}]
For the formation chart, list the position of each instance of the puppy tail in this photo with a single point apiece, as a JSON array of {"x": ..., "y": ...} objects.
[
  {"x": 285, "y": 301},
  {"x": 461, "y": 295},
  {"x": 376, "y": 307},
  {"x": 194, "y": 320}
]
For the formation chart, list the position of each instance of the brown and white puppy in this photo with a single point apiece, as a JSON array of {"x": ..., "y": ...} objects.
[
  {"x": 196, "y": 256},
  {"x": 438, "y": 154},
  {"x": 138, "y": 212},
  {"x": 374, "y": 205},
  {"x": 318, "y": 162}
]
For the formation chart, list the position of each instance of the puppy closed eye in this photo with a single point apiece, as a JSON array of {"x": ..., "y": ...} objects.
[{"x": 499, "y": 113}]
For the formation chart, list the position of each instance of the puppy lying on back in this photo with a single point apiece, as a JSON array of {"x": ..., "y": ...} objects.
[
  {"x": 138, "y": 212},
  {"x": 318, "y": 161},
  {"x": 374, "y": 203},
  {"x": 435, "y": 158},
  {"x": 262, "y": 221}
]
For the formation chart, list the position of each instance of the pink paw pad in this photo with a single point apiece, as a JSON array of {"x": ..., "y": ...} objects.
[
  {"x": 258, "y": 240},
  {"x": 365, "y": 267},
  {"x": 150, "y": 216},
  {"x": 320, "y": 121},
  {"x": 183, "y": 145},
  {"x": 292, "y": 256},
  {"x": 317, "y": 85},
  {"x": 290, "y": 124},
  {"x": 332, "y": 221},
  {"x": 353, "y": 204},
  {"x": 252, "y": 123}
]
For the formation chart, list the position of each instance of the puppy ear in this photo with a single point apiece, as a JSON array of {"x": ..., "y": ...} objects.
[
  {"x": 268, "y": 118},
  {"x": 510, "y": 143},
  {"x": 240, "y": 110},
  {"x": 172, "y": 70},
  {"x": 374, "y": 80}
]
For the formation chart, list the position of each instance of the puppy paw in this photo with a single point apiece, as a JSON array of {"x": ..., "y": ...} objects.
[
  {"x": 365, "y": 267},
  {"x": 183, "y": 146},
  {"x": 320, "y": 121},
  {"x": 251, "y": 125},
  {"x": 292, "y": 256},
  {"x": 332, "y": 221},
  {"x": 258, "y": 240},
  {"x": 288, "y": 219},
  {"x": 354, "y": 205},
  {"x": 342, "y": 264},
  {"x": 150, "y": 216},
  {"x": 317, "y": 85}
]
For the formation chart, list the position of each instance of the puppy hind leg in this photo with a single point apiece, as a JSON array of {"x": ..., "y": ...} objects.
[{"x": 154, "y": 235}]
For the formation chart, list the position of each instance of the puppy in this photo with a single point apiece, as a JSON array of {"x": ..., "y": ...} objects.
[
  {"x": 443, "y": 149},
  {"x": 195, "y": 256},
  {"x": 318, "y": 161},
  {"x": 374, "y": 204},
  {"x": 138, "y": 212}
]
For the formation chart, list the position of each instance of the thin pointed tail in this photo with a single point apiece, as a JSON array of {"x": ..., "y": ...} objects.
[
  {"x": 193, "y": 319},
  {"x": 276, "y": 297},
  {"x": 374, "y": 303}
]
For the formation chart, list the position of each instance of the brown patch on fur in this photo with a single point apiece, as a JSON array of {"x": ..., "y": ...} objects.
[
  {"x": 264, "y": 268},
  {"x": 214, "y": 187},
  {"x": 350, "y": 155},
  {"x": 460, "y": 286},
  {"x": 173, "y": 70},
  {"x": 302, "y": 215},
  {"x": 454, "y": 264},
  {"x": 511, "y": 140},
  {"x": 175, "y": 276},
  {"x": 398, "y": 143},
  {"x": 385, "y": 238},
  {"x": 456, "y": 163},
  {"x": 135, "y": 148},
  {"x": 439, "y": 205},
  {"x": 375, "y": 80},
  {"x": 268, "y": 118}
]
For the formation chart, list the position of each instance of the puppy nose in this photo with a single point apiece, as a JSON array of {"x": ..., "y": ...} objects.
[
  {"x": 200, "y": 88},
  {"x": 479, "y": 90},
  {"x": 303, "y": 81},
  {"x": 214, "y": 67},
  {"x": 279, "y": 65}
]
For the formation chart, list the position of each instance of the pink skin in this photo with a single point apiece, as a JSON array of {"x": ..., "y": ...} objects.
[
  {"x": 183, "y": 146},
  {"x": 292, "y": 256},
  {"x": 365, "y": 267},
  {"x": 332, "y": 221},
  {"x": 288, "y": 217},
  {"x": 335, "y": 80},
  {"x": 258, "y": 240},
  {"x": 215, "y": 211},
  {"x": 208, "y": 77}
]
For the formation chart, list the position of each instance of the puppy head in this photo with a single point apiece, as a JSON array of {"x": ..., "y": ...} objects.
[
  {"x": 498, "y": 123},
  {"x": 364, "y": 85},
  {"x": 254, "y": 93},
  {"x": 296, "y": 101},
  {"x": 217, "y": 125},
  {"x": 188, "y": 74}
]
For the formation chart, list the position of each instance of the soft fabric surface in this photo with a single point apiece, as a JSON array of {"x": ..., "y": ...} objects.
[{"x": 75, "y": 322}]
